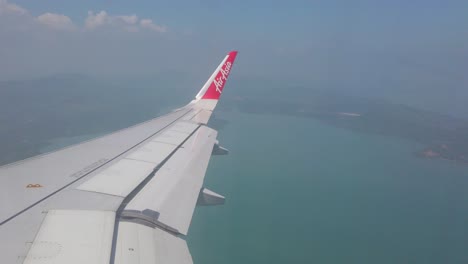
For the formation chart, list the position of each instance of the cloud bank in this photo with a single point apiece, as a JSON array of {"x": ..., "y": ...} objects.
[
  {"x": 131, "y": 23},
  {"x": 56, "y": 21},
  {"x": 9, "y": 8},
  {"x": 94, "y": 21},
  {"x": 48, "y": 43}
]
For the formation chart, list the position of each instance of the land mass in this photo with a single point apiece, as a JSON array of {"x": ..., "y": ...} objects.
[{"x": 444, "y": 136}]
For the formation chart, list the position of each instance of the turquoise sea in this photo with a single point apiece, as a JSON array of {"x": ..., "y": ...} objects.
[{"x": 300, "y": 191}]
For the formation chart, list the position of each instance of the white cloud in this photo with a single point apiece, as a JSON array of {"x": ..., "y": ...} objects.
[
  {"x": 56, "y": 21},
  {"x": 148, "y": 23},
  {"x": 133, "y": 19},
  {"x": 14, "y": 17},
  {"x": 9, "y": 8},
  {"x": 42, "y": 43},
  {"x": 129, "y": 23},
  {"x": 96, "y": 20}
]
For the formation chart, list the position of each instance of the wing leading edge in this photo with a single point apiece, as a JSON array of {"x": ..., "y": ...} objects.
[{"x": 127, "y": 197}]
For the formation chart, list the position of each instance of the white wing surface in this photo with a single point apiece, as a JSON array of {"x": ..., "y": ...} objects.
[{"x": 127, "y": 197}]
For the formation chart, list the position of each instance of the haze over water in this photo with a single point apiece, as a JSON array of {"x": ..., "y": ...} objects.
[{"x": 346, "y": 120}]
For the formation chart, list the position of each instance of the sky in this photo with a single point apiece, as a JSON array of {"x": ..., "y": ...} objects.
[{"x": 391, "y": 49}]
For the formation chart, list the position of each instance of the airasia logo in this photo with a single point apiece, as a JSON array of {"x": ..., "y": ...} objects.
[{"x": 221, "y": 79}]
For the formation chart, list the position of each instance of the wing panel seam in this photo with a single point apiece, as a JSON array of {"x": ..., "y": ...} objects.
[{"x": 77, "y": 179}]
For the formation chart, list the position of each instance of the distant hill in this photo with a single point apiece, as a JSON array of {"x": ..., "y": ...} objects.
[{"x": 444, "y": 136}]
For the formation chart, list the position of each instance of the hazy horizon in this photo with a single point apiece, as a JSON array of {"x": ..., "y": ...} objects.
[{"x": 408, "y": 52}]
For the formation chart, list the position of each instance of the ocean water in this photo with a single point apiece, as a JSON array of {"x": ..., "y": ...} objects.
[{"x": 300, "y": 191}]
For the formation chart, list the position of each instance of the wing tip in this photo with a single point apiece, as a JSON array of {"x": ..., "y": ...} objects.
[
  {"x": 215, "y": 84},
  {"x": 233, "y": 53}
]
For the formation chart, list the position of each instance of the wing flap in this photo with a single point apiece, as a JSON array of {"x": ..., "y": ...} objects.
[
  {"x": 154, "y": 152},
  {"x": 120, "y": 178},
  {"x": 125, "y": 175},
  {"x": 74, "y": 237},
  {"x": 140, "y": 244},
  {"x": 171, "y": 195}
]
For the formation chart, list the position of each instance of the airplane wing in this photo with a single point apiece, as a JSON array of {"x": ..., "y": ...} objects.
[{"x": 127, "y": 197}]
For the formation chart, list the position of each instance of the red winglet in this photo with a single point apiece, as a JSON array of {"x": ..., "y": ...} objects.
[{"x": 215, "y": 84}]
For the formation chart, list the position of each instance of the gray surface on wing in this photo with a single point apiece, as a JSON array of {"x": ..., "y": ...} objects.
[
  {"x": 52, "y": 171},
  {"x": 56, "y": 170}
]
